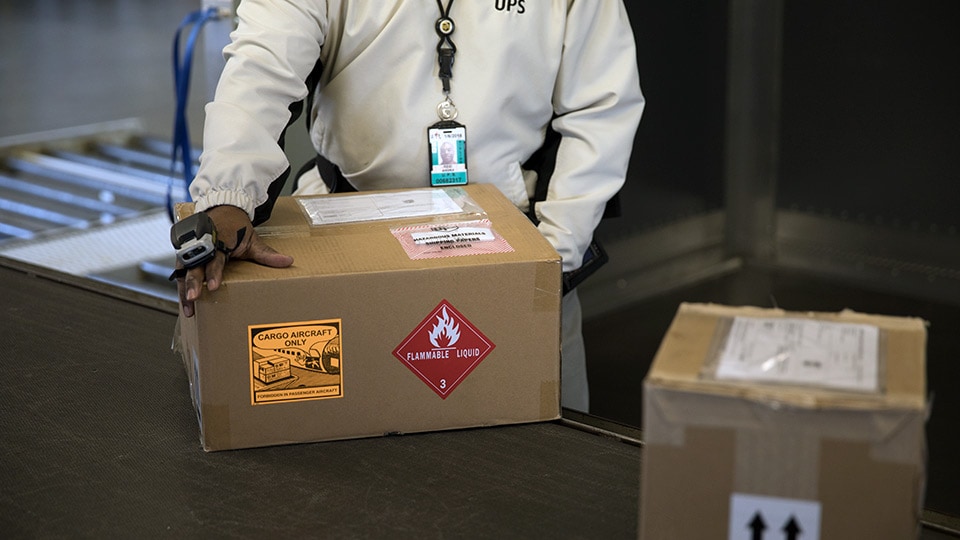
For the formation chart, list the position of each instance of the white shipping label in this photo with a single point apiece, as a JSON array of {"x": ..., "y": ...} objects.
[
  {"x": 462, "y": 234},
  {"x": 802, "y": 351},
  {"x": 759, "y": 516}
]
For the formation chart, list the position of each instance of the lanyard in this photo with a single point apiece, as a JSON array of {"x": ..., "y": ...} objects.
[
  {"x": 445, "y": 48},
  {"x": 447, "y": 138}
]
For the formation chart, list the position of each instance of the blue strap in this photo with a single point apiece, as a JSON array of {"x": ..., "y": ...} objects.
[{"x": 182, "y": 65}]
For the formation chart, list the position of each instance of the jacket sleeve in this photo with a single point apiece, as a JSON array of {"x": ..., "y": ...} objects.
[
  {"x": 272, "y": 51},
  {"x": 598, "y": 103}
]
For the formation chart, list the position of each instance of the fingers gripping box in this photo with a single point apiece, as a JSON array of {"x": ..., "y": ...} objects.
[
  {"x": 765, "y": 423},
  {"x": 404, "y": 311}
]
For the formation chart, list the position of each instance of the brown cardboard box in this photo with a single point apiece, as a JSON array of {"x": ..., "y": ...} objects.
[
  {"x": 383, "y": 325},
  {"x": 774, "y": 452}
]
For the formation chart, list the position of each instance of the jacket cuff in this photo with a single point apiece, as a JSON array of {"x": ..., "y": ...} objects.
[{"x": 220, "y": 198}]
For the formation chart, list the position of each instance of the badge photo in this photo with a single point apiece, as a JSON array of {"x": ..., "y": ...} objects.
[{"x": 448, "y": 154}]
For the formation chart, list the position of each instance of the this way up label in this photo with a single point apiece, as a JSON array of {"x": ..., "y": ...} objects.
[{"x": 759, "y": 517}]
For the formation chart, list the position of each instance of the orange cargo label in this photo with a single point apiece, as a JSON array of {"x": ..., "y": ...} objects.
[
  {"x": 295, "y": 361},
  {"x": 443, "y": 349}
]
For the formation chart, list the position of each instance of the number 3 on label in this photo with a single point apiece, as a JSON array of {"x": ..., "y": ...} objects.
[{"x": 443, "y": 383}]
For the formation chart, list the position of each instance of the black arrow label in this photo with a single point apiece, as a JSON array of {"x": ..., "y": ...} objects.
[
  {"x": 757, "y": 526},
  {"x": 792, "y": 529}
]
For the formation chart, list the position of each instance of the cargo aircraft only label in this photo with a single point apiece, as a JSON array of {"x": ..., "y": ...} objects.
[
  {"x": 295, "y": 361},
  {"x": 443, "y": 349}
]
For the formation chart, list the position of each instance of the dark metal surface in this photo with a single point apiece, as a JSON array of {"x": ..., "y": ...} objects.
[{"x": 753, "y": 124}]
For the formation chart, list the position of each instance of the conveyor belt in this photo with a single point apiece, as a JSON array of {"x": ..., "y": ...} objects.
[{"x": 98, "y": 438}]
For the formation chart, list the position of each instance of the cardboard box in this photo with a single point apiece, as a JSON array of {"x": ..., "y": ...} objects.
[
  {"x": 386, "y": 323},
  {"x": 763, "y": 423}
]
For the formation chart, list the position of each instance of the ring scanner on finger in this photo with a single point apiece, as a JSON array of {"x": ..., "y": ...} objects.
[{"x": 195, "y": 239}]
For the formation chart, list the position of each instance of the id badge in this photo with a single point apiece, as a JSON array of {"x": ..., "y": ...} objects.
[{"x": 448, "y": 154}]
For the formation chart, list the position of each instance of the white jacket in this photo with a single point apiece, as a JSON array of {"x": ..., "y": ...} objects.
[{"x": 519, "y": 63}]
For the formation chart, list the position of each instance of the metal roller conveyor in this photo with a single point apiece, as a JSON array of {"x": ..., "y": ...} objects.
[
  {"x": 63, "y": 194},
  {"x": 40, "y": 163},
  {"x": 149, "y": 153},
  {"x": 102, "y": 162},
  {"x": 94, "y": 206}
]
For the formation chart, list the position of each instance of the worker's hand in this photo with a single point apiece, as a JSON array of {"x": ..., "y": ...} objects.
[{"x": 228, "y": 220}]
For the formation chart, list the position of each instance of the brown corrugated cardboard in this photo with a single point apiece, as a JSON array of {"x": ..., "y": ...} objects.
[
  {"x": 753, "y": 458},
  {"x": 365, "y": 335}
]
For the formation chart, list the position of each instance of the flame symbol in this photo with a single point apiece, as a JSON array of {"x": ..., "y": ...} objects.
[{"x": 446, "y": 331}]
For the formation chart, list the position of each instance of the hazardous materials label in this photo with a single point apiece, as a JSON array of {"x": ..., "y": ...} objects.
[
  {"x": 443, "y": 349},
  {"x": 295, "y": 361},
  {"x": 431, "y": 241}
]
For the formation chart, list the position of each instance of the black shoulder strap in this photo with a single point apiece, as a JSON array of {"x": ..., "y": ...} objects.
[
  {"x": 543, "y": 162},
  {"x": 313, "y": 79},
  {"x": 329, "y": 172},
  {"x": 262, "y": 212}
]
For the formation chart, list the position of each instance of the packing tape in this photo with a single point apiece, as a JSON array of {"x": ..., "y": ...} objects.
[
  {"x": 216, "y": 415},
  {"x": 782, "y": 446},
  {"x": 892, "y": 432},
  {"x": 784, "y": 458},
  {"x": 546, "y": 291},
  {"x": 549, "y": 399}
]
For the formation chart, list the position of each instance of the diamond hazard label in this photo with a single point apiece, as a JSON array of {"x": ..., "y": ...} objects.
[{"x": 444, "y": 349}]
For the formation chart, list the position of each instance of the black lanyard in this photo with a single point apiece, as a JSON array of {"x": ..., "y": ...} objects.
[{"x": 445, "y": 48}]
